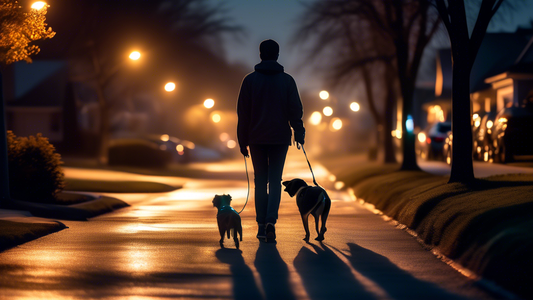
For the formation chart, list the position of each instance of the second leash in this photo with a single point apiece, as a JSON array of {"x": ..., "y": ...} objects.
[
  {"x": 248, "y": 180},
  {"x": 311, "y": 169}
]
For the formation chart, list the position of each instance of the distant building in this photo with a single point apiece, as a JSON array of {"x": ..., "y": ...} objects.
[{"x": 501, "y": 76}]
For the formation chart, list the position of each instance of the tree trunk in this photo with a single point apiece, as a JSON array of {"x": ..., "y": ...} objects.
[
  {"x": 4, "y": 172},
  {"x": 462, "y": 162},
  {"x": 408, "y": 138},
  {"x": 388, "y": 142}
]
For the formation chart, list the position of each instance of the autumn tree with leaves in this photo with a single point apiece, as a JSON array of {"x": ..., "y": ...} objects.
[{"x": 19, "y": 27}]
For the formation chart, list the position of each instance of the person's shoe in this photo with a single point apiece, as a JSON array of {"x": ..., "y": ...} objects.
[
  {"x": 261, "y": 231},
  {"x": 270, "y": 232}
]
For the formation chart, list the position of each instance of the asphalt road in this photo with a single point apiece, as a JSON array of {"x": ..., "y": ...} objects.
[{"x": 166, "y": 246}]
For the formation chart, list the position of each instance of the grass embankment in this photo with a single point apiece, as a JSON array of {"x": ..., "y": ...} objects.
[
  {"x": 15, "y": 233},
  {"x": 485, "y": 226}
]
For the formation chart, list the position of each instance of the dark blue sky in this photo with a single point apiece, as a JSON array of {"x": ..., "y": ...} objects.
[{"x": 277, "y": 19}]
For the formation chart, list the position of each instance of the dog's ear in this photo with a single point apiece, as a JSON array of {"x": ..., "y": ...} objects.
[{"x": 286, "y": 183}]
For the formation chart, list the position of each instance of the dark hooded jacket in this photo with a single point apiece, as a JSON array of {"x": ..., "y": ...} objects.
[{"x": 268, "y": 106}]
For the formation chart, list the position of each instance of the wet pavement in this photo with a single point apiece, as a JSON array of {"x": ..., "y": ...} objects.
[{"x": 166, "y": 246}]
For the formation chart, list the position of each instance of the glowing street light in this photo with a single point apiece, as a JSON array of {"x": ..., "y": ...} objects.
[
  {"x": 315, "y": 118},
  {"x": 135, "y": 55},
  {"x": 209, "y": 103},
  {"x": 354, "y": 106},
  {"x": 170, "y": 86},
  {"x": 328, "y": 111},
  {"x": 324, "y": 95},
  {"x": 216, "y": 117},
  {"x": 38, "y": 5},
  {"x": 336, "y": 124}
]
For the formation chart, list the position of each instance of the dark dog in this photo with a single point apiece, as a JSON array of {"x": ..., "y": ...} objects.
[
  {"x": 310, "y": 200},
  {"x": 228, "y": 219}
]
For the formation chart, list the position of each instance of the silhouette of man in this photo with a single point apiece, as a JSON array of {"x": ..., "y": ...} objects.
[{"x": 268, "y": 106}]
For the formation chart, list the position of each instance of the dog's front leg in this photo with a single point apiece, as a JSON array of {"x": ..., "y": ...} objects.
[
  {"x": 222, "y": 232},
  {"x": 305, "y": 220}
]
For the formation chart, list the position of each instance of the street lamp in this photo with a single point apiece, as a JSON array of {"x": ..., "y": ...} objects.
[
  {"x": 328, "y": 111},
  {"x": 209, "y": 103},
  {"x": 354, "y": 106},
  {"x": 170, "y": 86},
  {"x": 38, "y": 5},
  {"x": 135, "y": 55},
  {"x": 324, "y": 95}
]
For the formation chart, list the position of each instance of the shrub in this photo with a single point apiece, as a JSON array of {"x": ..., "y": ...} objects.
[{"x": 35, "y": 172}]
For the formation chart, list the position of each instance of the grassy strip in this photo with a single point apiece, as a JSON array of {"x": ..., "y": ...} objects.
[
  {"x": 117, "y": 186},
  {"x": 15, "y": 233},
  {"x": 485, "y": 226}
]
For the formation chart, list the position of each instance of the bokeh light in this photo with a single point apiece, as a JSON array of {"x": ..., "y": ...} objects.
[
  {"x": 170, "y": 86},
  {"x": 231, "y": 144},
  {"x": 209, "y": 103},
  {"x": 165, "y": 137},
  {"x": 216, "y": 117},
  {"x": 324, "y": 95},
  {"x": 38, "y": 5},
  {"x": 316, "y": 118},
  {"x": 354, "y": 106},
  {"x": 135, "y": 55},
  {"x": 336, "y": 124},
  {"x": 328, "y": 111}
]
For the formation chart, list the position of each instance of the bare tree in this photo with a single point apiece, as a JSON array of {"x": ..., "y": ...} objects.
[
  {"x": 168, "y": 29},
  {"x": 465, "y": 47},
  {"x": 397, "y": 31}
]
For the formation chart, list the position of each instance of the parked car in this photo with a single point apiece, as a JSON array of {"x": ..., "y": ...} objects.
[
  {"x": 431, "y": 141},
  {"x": 512, "y": 135},
  {"x": 482, "y": 135}
]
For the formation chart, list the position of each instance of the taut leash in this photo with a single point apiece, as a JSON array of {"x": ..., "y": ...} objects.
[
  {"x": 314, "y": 180},
  {"x": 248, "y": 180}
]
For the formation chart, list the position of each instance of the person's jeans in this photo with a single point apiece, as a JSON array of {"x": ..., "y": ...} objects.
[{"x": 268, "y": 162}]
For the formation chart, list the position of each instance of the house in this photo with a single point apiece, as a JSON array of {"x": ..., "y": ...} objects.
[
  {"x": 501, "y": 76},
  {"x": 34, "y": 97}
]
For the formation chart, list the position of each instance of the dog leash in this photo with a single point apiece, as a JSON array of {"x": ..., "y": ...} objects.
[
  {"x": 298, "y": 146},
  {"x": 248, "y": 180}
]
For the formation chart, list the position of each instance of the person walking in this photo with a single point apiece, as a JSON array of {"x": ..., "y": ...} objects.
[{"x": 268, "y": 106}]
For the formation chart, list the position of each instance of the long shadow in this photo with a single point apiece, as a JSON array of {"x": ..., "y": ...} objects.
[
  {"x": 274, "y": 272},
  {"x": 398, "y": 283},
  {"x": 326, "y": 276},
  {"x": 244, "y": 286}
]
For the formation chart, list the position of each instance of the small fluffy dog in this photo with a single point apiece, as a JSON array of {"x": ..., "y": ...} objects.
[
  {"x": 310, "y": 200},
  {"x": 228, "y": 219}
]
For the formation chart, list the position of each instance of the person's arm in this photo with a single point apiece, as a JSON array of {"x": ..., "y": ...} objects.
[
  {"x": 243, "y": 114},
  {"x": 296, "y": 113}
]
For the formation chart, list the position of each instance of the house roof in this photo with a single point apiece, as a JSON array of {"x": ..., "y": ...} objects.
[
  {"x": 493, "y": 58},
  {"x": 44, "y": 91},
  {"x": 515, "y": 56}
]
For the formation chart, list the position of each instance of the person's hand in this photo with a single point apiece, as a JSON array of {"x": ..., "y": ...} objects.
[
  {"x": 299, "y": 138},
  {"x": 244, "y": 151}
]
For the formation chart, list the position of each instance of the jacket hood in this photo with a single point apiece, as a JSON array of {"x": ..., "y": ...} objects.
[{"x": 269, "y": 67}]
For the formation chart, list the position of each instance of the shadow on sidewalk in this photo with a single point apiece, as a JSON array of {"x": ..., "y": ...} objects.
[
  {"x": 274, "y": 272},
  {"x": 326, "y": 276},
  {"x": 397, "y": 283},
  {"x": 244, "y": 286}
]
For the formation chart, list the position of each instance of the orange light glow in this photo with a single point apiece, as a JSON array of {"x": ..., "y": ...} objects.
[
  {"x": 216, "y": 118},
  {"x": 316, "y": 118},
  {"x": 324, "y": 95},
  {"x": 328, "y": 111},
  {"x": 165, "y": 137},
  {"x": 209, "y": 103},
  {"x": 170, "y": 86},
  {"x": 135, "y": 55},
  {"x": 38, "y": 5},
  {"x": 336, "y": 124},
  {"x": 231, "y": 144},
  {"x": 354, "y": 106}
]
